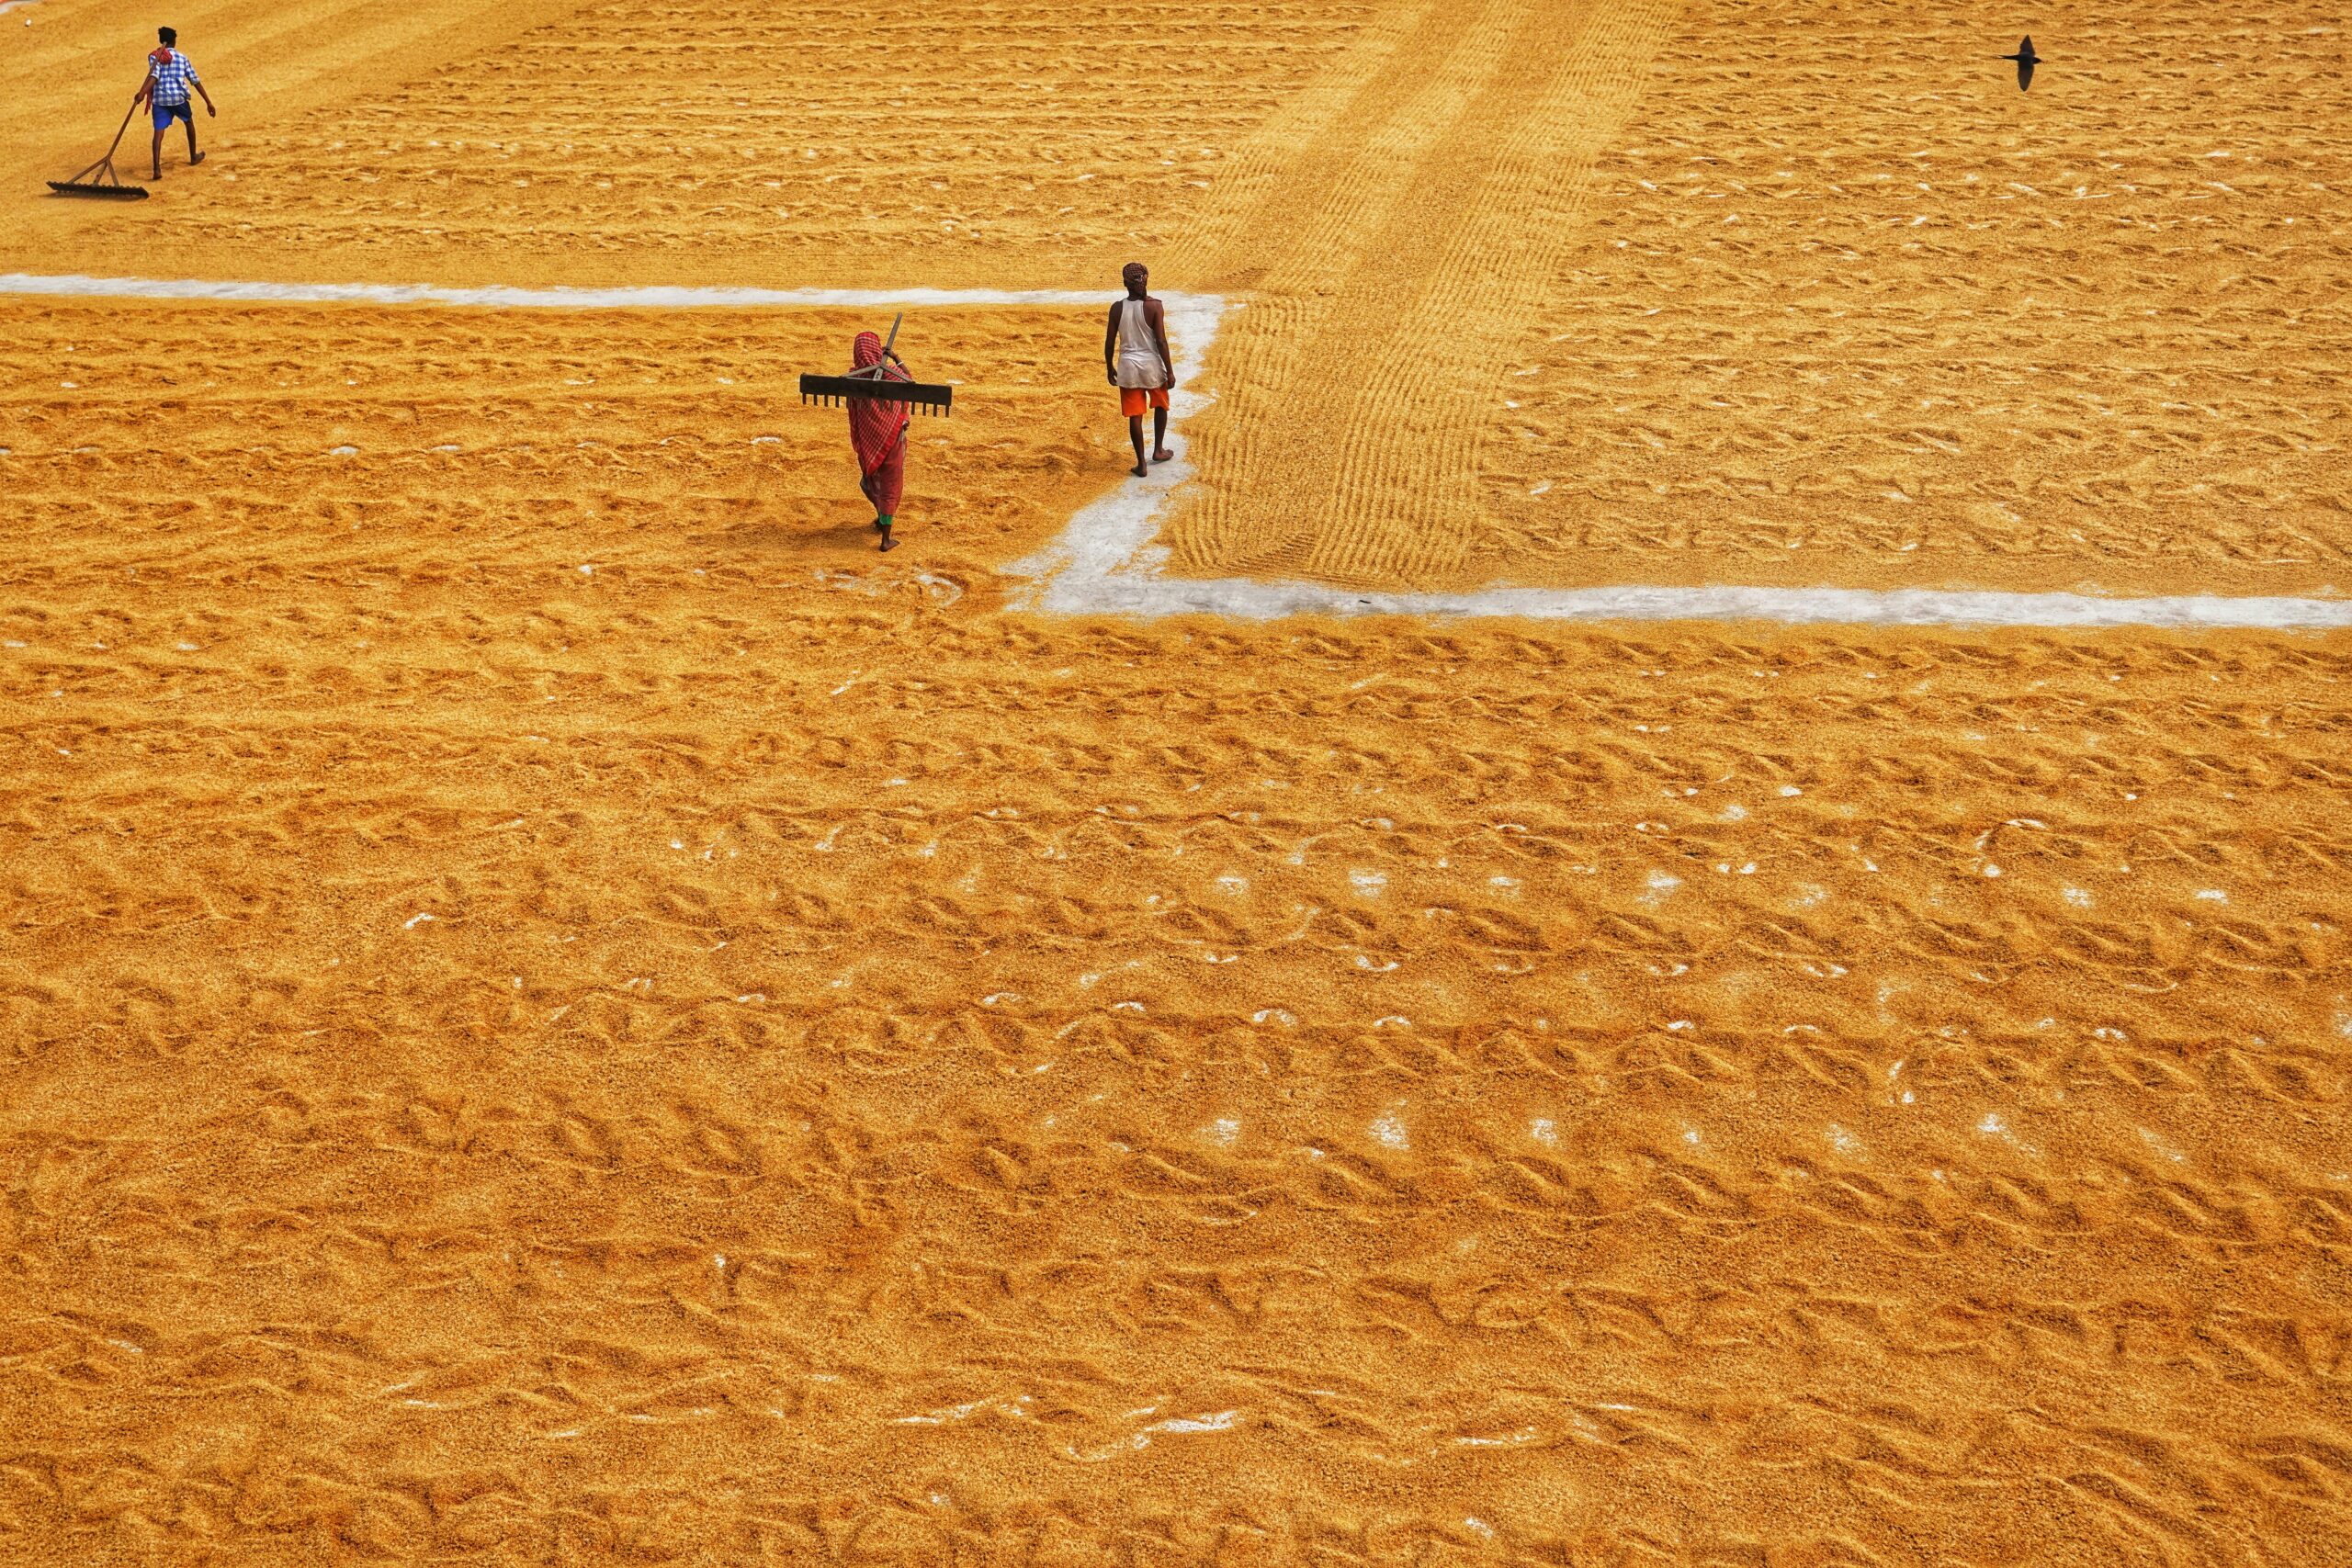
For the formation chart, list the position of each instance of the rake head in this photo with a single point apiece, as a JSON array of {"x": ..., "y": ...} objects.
[
  {"x": 119, "y": 192},
  {"x": 835, "y": 391},
  {"x": 109, "y": 182}
]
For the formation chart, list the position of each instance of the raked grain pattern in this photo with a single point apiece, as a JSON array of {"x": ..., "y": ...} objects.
[
  {"x": 748, "y": 1053},
  {"x": 1854, "y": 309},
  {"x": 1427, "y": 230},
  {"x": 1810, "y": 296},
  {"x": 173, "y": 432},
  {"x": 606, "y": 1075},
  {"x": 1858, "y": 311},
  {"x": 966, "y": 142}
]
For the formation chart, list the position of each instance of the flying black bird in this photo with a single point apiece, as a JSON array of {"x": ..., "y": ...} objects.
[{"x": 2027, "y": 60}]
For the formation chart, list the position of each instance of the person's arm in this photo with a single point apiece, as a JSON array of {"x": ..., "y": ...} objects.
[
  {"x": 197, "y": 83},
  {"x": 144, "y": 87},
  {"x": 1159, "y": 330},
  {"x": 1111, "y": 345}
]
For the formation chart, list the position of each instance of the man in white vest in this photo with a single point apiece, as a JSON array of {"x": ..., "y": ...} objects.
[{"x": 1135, "y": 354}]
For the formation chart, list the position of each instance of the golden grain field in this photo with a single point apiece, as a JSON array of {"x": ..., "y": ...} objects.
[{"x": 556, "y": 1007}]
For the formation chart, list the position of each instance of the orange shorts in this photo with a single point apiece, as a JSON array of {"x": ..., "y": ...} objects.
[{"x": 1132, "y": 400}]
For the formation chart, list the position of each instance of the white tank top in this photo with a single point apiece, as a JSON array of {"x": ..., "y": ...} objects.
[{"x": 1138, "y": 350}]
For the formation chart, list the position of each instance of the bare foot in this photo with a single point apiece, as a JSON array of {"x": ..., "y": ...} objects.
[
  {"x": 1140, "y": 471},
  {"x": 200, "y": 158},
  {"x": 1162, "y": 454},
  {"x": 889, "y": 542}
]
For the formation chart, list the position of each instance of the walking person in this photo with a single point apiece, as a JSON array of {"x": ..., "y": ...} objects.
[
  {"x": 878, "y": 431},
  {"x": 170, "y": 74},
  {"x": 1134, "y": 353}
]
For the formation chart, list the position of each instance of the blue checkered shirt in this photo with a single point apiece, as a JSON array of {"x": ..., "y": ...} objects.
[{"x": 173, "y": 76}]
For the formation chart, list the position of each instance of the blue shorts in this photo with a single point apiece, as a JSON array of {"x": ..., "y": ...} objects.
[{"x": 166, "y": 113}]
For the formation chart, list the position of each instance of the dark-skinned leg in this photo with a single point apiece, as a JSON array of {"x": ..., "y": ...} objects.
[
  {"x": 888, "y": 488},
  {"x": 159, "y": 150},
  {"x": 1159, "y": 451},
  {"x": 194, "y": 157},
  {"x": 1135, "y": 433}
]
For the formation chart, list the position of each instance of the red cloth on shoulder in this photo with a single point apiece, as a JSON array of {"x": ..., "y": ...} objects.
[{"x": 878, "y": 431}]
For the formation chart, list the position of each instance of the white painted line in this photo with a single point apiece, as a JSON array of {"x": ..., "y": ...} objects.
[
  {"x": 1138, "y": 593},
  {"x": 650, "y": 298},
  {"x": 1105, "y": 561}
]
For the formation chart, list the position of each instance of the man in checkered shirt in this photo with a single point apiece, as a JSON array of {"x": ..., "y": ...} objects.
[{"x": 169, "y": 76}]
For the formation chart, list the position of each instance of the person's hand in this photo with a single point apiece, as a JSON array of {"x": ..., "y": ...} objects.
[
  {"x": 209, "y": 112},
  {"x": 1111, "y": 376}
]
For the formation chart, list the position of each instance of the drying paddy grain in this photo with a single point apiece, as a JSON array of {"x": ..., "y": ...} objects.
[{"x": 558, "y": 1008}]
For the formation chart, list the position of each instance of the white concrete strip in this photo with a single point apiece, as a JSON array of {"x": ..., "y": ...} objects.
[
  {"x": 1142, "y": 594},
  {"x": 650, "y": 298},
  {"x": 1105, "y": 561}
]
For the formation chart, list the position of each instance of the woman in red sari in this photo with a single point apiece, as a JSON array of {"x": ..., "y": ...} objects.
[{"x": 878, "y": 431}]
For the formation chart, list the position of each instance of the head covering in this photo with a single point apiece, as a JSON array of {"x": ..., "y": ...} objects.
[{"x": 874, "y": 427}]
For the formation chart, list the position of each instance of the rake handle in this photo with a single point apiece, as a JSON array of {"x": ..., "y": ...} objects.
[
  {"x": 879, "y": 371},
  {"x": 119, "y": 129},
  {"x": 107, "y": 162}
]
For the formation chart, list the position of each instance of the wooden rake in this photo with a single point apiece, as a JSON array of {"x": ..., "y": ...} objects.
[
  {"x": 835, "y": 392},
  {"x": 113, "y": 185}
]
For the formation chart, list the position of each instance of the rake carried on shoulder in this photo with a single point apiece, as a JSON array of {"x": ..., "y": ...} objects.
[
  {"x": 113, "y": 185},
  {"x": 869, "y": 383}
]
